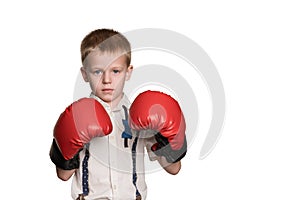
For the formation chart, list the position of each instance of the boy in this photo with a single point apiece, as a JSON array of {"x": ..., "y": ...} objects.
[{"x": 108, "y": 160}]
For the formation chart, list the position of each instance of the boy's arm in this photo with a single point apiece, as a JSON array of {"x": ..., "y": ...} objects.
[
  {"x": 64, "y": 174},
  {"x": 64, "y": 168},
  {"x": 171, "y": 168}
]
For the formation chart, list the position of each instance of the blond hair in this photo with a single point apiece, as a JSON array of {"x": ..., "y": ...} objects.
[{"x": 105, "y": 40}]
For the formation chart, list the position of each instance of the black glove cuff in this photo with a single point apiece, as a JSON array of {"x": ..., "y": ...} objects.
[
  {"x": 163, "y": 148},
  {"x": 60, "y": 162}
]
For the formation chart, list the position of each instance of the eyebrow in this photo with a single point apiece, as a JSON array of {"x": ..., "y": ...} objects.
[
  {"x": 118, "y": 66},
  {"x": 97, "y": 67}
]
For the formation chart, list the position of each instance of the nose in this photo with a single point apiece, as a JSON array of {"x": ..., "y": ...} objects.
[{"x": 106, "y": 79}]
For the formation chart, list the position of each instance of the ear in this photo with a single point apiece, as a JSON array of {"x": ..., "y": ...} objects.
[
  {"x": 129, "y": 71},
  {"x": 84, "y": 74}
]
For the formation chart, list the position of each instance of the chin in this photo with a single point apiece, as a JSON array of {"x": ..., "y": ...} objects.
[{"x": 107, "y": 99}]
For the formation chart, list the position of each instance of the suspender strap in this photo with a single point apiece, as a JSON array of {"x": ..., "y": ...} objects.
[
  {"x": 128, "y": 135},
  {"x": 85, "y": 172},
  {"x": 134, "y": 174}
]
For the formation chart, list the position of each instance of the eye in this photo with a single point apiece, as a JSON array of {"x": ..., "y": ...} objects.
[
  {"x": 97, "y": 72},
  {"x": 116, "y": 71}
]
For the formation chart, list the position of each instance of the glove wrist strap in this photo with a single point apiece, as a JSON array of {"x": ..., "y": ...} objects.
[{"x": 163, "y": 148}]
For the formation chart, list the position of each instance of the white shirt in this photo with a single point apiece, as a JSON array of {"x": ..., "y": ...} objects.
[{"x": 110, "y": 164}]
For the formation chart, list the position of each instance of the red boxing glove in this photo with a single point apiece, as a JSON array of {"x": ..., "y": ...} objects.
[
  {"x": 160, "y": 112},
  {"x": 78, "y": 124}
]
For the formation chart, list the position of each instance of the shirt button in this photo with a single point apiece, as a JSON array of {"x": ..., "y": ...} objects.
[{"x": 115, "y": 187}]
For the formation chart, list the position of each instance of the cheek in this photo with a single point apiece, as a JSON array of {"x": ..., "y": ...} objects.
[
  {"x": 119, "y": 78},
  {"x": 95, "y": 83},
  {"x": 120, "y": 81}
]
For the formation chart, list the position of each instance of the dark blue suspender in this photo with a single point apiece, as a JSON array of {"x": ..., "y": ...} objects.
[
  {"x": 85, "y": 172},
  {"x": 128, "y": 135},
  {"x": 134, "y": 174}
]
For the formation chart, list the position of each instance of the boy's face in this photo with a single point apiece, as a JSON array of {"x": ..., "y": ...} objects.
[{"x": 106, "y": 74}]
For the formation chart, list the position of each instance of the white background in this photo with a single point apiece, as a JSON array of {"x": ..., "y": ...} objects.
[{"x": 255, "y": 46}]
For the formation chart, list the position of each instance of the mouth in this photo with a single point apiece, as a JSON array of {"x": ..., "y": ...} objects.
[{"x": 107, "y": 90}]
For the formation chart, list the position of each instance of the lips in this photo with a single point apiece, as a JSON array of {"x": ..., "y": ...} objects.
[{"x": 107, "y": 90}]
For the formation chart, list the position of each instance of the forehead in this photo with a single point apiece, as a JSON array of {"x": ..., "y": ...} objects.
[{"x": 104, "y": 59}]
